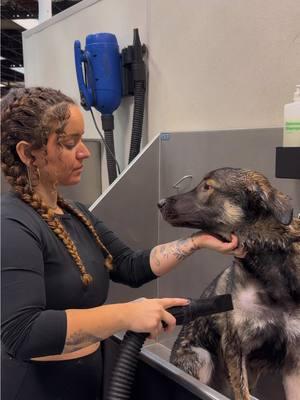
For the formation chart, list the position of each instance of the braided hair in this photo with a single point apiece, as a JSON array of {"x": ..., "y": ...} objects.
[{"x": 31, "y": 114}]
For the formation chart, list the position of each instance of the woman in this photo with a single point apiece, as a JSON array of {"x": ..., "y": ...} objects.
[{"x": 57, "y": 258}]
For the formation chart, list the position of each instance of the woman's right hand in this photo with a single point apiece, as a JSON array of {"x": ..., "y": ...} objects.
[{"x": 146, "y": 315}]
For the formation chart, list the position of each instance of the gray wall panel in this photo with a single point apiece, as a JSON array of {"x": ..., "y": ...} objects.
[
  {"x": 196, "y": 154},
  {"x": 129, "y": 209}
]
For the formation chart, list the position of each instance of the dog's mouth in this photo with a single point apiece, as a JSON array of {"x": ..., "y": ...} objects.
[
  {"x": 220, "y": 235},
  {"x": 179, "y": 221},
  {"x": 179, "y": 224},
  {"x": 184, "y": 221},
  {"x": 223, "y": 237}
]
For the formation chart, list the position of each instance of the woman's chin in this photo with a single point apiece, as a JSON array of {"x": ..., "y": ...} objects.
[{"x": 72, "y": 181}]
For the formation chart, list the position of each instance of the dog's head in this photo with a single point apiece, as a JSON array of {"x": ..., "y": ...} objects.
[{"x": 226, "y": 199}]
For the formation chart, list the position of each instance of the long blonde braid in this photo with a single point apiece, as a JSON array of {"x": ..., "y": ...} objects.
[{"x": 31, "y": 114}]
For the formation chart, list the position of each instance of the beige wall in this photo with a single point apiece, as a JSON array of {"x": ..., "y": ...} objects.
[
  {"x": 213, "y": 64},
  {"x": 217, "y": 64}
]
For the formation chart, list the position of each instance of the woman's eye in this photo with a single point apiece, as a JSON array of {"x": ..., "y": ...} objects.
[{"x": 70, "y": 146}]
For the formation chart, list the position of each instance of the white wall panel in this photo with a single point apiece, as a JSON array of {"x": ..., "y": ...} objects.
[
  {"x": 217, "y": 64},
  {"x": 213, "y": 64}
]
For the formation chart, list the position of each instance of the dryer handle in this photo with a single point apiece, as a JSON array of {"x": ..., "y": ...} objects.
[{"x": 86, "y": 94}]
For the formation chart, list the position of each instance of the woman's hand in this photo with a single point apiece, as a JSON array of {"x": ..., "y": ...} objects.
[
  {"x": 204, "y": 240},
  {"x": 146, "y": 315}
]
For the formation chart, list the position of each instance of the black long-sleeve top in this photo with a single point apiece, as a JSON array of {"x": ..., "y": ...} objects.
[{"x": 40, "y": 279}]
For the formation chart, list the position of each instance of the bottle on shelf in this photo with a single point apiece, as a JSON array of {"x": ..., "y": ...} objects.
[{"x": 291, "y": 131}]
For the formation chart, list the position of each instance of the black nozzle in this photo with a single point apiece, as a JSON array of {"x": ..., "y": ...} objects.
[
  {"x": 137, "y": 45},
  {"x": 201, "y": 308},
  {"x": 133, "y": 66},
  {"x": 138, "y": 65}
]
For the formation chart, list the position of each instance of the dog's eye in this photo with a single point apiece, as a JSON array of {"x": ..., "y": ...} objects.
[{"x": 206, "y": 186}]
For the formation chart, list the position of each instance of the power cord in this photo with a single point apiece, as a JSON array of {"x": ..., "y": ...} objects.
[{"x": 104, "y": 142}]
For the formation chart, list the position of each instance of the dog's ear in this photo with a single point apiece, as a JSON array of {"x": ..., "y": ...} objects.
[
  {"x": 272, "y": 200},
  {"x": 280, "y": 206}
]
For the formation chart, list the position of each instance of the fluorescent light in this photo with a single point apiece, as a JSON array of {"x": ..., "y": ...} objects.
[
  {"x": 27, "y": 23},
  {"x": 18, "y": 69},
  {"x": 2, "y": 58}
]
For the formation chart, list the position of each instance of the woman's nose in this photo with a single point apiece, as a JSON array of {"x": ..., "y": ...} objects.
[{"x": 83, "y": 152}]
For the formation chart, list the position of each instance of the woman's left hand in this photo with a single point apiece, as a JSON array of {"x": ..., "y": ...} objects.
[{"x": 205, "y": 240}]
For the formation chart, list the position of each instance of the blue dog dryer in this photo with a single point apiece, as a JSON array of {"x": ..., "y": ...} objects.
[
  {"x": 102, "y": 89},
  {"x": 107, "y": 76},
  {"x": 101, "y": 86}
]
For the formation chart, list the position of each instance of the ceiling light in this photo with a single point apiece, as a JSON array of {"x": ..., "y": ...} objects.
[
  {"x": 18, "y": 69},
  {"x": 27, "y": 23}
]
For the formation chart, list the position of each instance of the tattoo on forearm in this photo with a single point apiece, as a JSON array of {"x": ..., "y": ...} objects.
[
  {"x": 163, "y": 251},
  {"x": 154, "y": 258},
  {"x": 80, "y": 339},
  {"x": 179, "y": 250}
]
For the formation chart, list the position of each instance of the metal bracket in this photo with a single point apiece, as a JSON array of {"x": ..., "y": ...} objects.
[{"x": 177, "y": 184}]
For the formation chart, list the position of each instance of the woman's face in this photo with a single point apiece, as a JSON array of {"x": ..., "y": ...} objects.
[{"x": 63, "y": 163}]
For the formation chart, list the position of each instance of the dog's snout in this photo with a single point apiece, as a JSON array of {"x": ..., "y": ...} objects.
[{"x": 161, "y": 203}]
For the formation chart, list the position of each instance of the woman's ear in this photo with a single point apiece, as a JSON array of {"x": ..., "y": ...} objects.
[{"x": 23, "y": 150}]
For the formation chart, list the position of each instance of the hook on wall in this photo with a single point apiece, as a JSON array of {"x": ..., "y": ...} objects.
[{"x": 178, "y": 184}]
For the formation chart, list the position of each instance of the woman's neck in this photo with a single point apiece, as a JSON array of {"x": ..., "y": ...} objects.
[{"x": 49, "y": 197}]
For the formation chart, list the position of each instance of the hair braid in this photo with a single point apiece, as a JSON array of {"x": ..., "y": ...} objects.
[
  {"x": 31, "y": 114},
  {"x": 57, "y": 227},
  {"x": 67, "y": 206}
]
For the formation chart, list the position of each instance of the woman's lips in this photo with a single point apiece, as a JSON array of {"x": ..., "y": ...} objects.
[{"x": 79, "y": 169}]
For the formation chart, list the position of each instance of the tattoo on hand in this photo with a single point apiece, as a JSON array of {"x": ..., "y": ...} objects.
[{"x": 80, "y": 339}]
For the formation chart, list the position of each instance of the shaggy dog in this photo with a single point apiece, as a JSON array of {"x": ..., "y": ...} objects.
[{"x": 262, "y": 333}]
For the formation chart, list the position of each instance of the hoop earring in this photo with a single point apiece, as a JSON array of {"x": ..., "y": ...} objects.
[{"x": 29, "y": 178}]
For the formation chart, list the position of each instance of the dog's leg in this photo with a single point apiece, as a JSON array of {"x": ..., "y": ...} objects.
[
  {"x": 253, "y": 377},
  {"x": 193, "y": 359},
  {"x": 236, "y": 366},
  {"x": 291, "y": 384}
]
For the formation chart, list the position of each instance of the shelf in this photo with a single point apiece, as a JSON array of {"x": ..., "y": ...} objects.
[{"x": 288, "y": 162}]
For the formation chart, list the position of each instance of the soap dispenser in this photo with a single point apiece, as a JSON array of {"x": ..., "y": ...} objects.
[{"x": 291, "y": 133}]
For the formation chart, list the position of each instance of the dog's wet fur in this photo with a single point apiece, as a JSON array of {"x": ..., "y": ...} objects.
[{"x": 229, "y": 351}]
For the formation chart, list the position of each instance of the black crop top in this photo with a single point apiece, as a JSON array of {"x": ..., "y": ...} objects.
[{"x": 40, "y": 279}]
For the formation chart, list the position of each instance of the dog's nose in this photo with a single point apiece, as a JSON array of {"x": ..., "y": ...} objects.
[{"x": 161, "y": 203}]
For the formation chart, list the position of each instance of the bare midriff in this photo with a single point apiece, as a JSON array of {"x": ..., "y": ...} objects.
[{"x": 85, "y": 351}]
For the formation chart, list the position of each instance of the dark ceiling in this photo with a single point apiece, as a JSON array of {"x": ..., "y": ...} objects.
[{"x": 11, "y": 36}]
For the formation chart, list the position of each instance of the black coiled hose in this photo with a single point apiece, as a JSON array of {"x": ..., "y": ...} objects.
[
  {"x": 124, "y": 371},
  {"x": 137, "y": 123},
  {"x": 108, "y": 128},
  {"x": 110, "y": 161}
]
